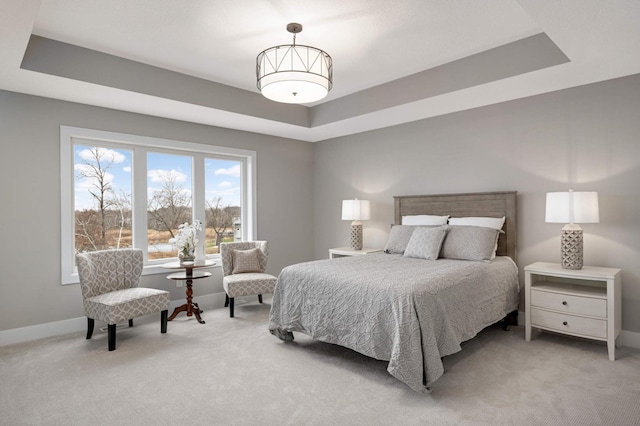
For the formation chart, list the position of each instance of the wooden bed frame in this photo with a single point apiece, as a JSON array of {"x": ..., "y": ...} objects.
[{"x": 486, "y": 204}]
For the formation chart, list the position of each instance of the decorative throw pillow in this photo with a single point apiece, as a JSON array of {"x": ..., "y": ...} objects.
[
  {"x": 246, "y": 261},
  {"x": 398, "y": 238},
  {"x": 424, "y": 219},
  {"x": 425, "y": 243},
  {"x": 470, "y": 243}
]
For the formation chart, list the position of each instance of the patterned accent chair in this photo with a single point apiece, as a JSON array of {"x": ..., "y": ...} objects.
[
  {"x": 243, "y": 266},
  {"x": 109, "y": 282}
]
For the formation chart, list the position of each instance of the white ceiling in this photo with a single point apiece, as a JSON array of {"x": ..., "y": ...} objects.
[{"x": 372, "y": 42}]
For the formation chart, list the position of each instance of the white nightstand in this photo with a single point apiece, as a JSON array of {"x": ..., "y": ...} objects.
[
  {"x": 585, "y": 302},
  {"x": 348, "y": 251}
]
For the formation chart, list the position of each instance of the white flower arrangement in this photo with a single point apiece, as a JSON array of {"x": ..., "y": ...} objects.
[{"x": 186, "y": 240}]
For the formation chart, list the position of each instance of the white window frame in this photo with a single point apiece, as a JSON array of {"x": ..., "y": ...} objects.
[{"x": 140, "y": 145}]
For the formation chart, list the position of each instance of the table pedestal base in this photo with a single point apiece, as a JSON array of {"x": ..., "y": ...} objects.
[{"x": 191, "y": 308}]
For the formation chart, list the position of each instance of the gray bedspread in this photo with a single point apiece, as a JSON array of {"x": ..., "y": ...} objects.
[{"x": 410, "y": 312}]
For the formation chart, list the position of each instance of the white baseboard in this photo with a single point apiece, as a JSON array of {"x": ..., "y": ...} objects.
[
  {"x": 215, "y": 300},
  {"x": 74, "y": 325},
  {"x": 40, "y": 331},
  {"x": 630, "y": 339}
]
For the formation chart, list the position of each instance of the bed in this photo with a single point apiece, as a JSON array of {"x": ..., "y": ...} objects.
[{"x": 408, "y": 311}]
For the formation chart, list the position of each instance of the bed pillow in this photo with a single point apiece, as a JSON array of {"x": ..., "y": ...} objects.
[
  {"x": 425, "y": 243},
  {"x": 470, "y": 243},
  {"x": 424, "y": 219},
  {"x": 399, "y": 238},
  {"x": 246, "y": 261},
  {"x": 487, "y": 222}
]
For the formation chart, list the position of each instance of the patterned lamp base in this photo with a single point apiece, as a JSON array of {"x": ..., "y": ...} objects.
[
  {"x": 571, "y": 248},
  {"x": 356, "y": 235}
]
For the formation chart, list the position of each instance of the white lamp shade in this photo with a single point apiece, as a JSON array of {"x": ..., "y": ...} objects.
[
  {"x": 294, "y": 87},
  {"x": 356, "y": 210},
  {"x": 572, "y": 207}
]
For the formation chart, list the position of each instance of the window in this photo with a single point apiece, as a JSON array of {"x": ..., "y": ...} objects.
[
  {"x": 169, "y": 183},
  {"x": 130, "y": 191},
  {"x": 102, "y": 198},
  {"x": 223, "y": 206}
]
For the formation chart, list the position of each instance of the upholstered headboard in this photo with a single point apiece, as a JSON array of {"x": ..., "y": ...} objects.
[{"x": 487, "y": 204}]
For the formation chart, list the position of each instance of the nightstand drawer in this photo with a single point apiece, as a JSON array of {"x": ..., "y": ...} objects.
[
  {"x": 570, "y": 304},
  {"x": 569, "y": 324}
]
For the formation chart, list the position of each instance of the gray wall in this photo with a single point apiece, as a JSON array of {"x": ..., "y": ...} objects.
[
  {"x": 586, "y": 138},
  {"x": 30, "y": 290}
]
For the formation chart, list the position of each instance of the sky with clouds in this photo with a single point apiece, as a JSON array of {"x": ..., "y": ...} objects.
[{"x": 222, "y": 177}]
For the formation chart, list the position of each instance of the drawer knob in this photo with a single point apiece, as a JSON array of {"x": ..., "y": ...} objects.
[
  {"x": 564, "y": 302},
  {"x": 564, "y": 323}
]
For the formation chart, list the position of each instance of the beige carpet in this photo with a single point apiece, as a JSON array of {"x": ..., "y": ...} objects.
[{"x": 233, "y": 372}]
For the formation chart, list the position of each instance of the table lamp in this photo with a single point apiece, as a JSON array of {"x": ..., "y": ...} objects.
[
  {"x": 356, "y": 210},
  {"x": 572, "y": 208}
]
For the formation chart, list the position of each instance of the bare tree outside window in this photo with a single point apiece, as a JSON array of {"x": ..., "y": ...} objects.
[
  {"x": 102, "y": 216},
  {"x": 170, "y": 206},
  {"x": 122, "y": 204},
  {"x": 220, "y": 219}
]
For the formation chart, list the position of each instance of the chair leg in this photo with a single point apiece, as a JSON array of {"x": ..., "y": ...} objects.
[
  {"x": 163, "y": 321},
  {"x": 260, "y": 298},
  {"x": 231, "y": 307},
  {"x": 90, "y": 323},
  {"x": 226, "y": 300},
  {"x": 111, "y": 337},
  {"x": 131, "y": 322}
]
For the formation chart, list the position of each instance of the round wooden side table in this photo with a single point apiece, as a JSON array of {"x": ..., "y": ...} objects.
[{"x": 188, "y": 275}]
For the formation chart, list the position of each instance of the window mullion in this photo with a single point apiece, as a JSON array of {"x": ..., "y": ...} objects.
[
  {"x": 139, "y": 213},
  {"x": 199, "y": 202},
  {"x": 249, "y": 197}
]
